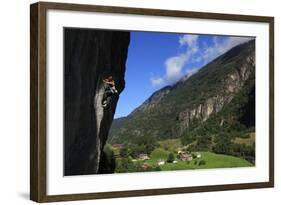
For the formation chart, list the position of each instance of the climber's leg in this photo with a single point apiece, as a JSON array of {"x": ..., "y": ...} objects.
[
  {"x": 106, "y": 97},
  {"x": 113, "y": 90}
]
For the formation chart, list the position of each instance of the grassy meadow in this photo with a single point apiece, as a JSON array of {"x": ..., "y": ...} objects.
[{"x": 125, "y": 159}]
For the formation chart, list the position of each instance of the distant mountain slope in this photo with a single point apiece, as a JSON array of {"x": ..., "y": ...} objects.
[{"x": 222, "y": 93}]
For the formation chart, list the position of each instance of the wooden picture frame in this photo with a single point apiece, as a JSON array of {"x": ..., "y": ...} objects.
[{"x": 38, "y": 101}]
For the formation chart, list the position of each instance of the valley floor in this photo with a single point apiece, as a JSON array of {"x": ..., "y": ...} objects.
[
  {"x": 212, "y": 160},
  {"x": 158, "y": 159}
]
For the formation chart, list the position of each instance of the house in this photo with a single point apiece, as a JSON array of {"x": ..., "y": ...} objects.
[
  {"x": 118, "y": 146},
  {"x": 160, "y": 162},
  {"x": 143, "y": 157},
  {"x": 186, "y": 157},
  {"x": 146, "y": 165}
]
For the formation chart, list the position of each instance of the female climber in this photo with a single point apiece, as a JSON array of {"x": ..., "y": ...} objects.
[{"x": 109, "y": 90}]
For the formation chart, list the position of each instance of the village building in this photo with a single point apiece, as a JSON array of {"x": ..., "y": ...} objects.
[
  {"x": 117, "y": 146},
  {"x": 146, "y": 165},
  {"x": 161, "y": 162},
  {"x": 143, "y": 157},
  {"x": 186, "y": 157},
  {"x": 180, "y": 152}
]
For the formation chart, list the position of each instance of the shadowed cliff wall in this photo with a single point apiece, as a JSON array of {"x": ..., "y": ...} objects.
[{"x": 89, "y": 57}]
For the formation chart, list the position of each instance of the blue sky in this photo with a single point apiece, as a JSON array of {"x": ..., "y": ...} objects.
[{"x": 159, "y": 59}]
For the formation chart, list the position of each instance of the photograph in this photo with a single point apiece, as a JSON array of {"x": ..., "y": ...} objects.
[
  {"x": 129, "y": 101},
  {"x": 143, "y": 101}
]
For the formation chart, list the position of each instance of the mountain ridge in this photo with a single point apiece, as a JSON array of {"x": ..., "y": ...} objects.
[{"x": 168, "y": 112}]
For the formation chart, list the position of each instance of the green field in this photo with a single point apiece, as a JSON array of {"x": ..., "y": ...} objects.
[
  {"x": 212, "y": 161},
  {"x": 208, "y": 160},
  {"x": 159, "y": 153},
  {"x": 171, "y": 144},
  {"x": 247, "y": 141}
]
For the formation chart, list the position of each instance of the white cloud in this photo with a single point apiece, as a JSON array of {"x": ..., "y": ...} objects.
[
  {"x": 175, "y": 64},
  {"x": 190, "y": 41},
  {"x": 189, "y": 73},
  {"x": 174, "y": 67},
  {"x": 219, "y": 47},
  {"x": 234, "y": 41},
  {"x": 156, "y": 82}
]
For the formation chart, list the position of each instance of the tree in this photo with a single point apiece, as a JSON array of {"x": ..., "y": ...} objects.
[
  {"x": 187, "y": 138},
  {"x": 203, "y": 143},
  {"x": 125, "y": 165},
  {"x": 157, "y": 168},
  {"x": 134, "y": 151},
  {"x": 202, "y": 162},
  {"x": 170, "y": 158},
  {"x": 147, "y": 144},
  {"x": 107, "y": 162},
  {"x": 124, "y": 152},
  {"x": 223, "y": 144}
]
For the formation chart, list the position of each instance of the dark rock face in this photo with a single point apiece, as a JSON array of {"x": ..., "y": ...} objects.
[{"x": 89, "y": 57}]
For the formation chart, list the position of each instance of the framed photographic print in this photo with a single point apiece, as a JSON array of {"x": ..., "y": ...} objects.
[{"x": 135, "y": 102}]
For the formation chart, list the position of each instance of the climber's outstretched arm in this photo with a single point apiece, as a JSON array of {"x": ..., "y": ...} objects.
[{"x": 109, "y": 82}]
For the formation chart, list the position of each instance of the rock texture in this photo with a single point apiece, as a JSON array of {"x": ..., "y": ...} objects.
[
  {"x": 90, "y": 56},
  {"x": 231, "y": 85}
]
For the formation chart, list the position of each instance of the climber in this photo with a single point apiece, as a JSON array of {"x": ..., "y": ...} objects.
[{"x": 109, "y": 90}]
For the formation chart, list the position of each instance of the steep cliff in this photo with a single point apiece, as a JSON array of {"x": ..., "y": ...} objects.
[
  {"x": 89, "y": 57},
  {"x": 223, "y": 88},
  {"x": 230, "y": 86}
]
